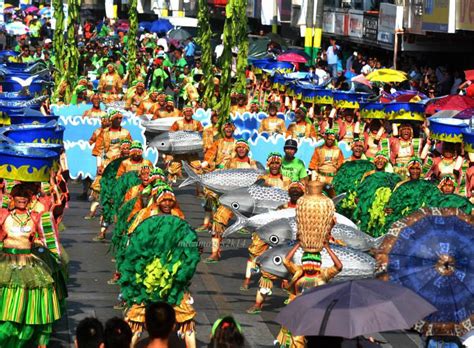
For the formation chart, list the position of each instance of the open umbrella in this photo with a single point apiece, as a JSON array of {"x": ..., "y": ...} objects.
[
  {"x": 161, "y": 26},
  {"x": 179, "y": 34},
  {"x": 387, "y": 75},
  {"x": 44, "y": 10},
  {"x": 450, "y": 102},
  {"x": 144, "y": 26},
  {"x": 32, "y": 9},
  {"x": 430, "y": 252},
  {"x": 408, "y": 96},
  {"x": 469, "y": 75},
  {"x": 362, "y": 80},
  {"x": 291, "y": 57},
  {"x": 16, "y": 28},
  {"x": 277, "y": 39},
  {"x": 10, "y": 9},
  {"x": 353, "y": 308}
]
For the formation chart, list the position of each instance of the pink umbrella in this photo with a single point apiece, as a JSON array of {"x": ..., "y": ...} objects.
[
  {"x": 362, "y": 80},
  {"x": 291, "y": 57},
  {"x": 32, "y": 9}
]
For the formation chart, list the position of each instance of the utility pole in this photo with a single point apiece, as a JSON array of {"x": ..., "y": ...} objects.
[
  {"x": 318, "y": 31},
  {"x": 275, "y": 17},
  {"x": 181, "y": 8},
  {"x": 308, "y": 38}
]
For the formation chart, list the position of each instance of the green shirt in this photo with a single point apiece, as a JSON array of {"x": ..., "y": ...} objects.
[
  {"x": 158, "y": 80},
  {"x": 294, "y": 169}
]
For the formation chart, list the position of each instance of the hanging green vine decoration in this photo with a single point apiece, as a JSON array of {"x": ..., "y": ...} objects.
[
  {"x": 132, "y": 40},
  {"x": 226, "y": 63},
  {"x": 242, "y": 42},
  {"x": 58, "y": 45},
  {"x": 204, "y": 40},
  {"x": 72, "y": 52}
]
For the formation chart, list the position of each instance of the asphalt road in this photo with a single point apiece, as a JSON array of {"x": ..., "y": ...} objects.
[{"x": 215, "y": 287}]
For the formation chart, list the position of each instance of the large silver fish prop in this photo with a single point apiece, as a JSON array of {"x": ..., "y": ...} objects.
[
  {"x": 355, "y": 264},
  {"x": 256, "y": 222},
  {"x": 159, "y": 125},
  {"x": 224, "y": 180},
  {"x": 283, "y": 230},
  {"x": 178, "y": 143},
  {"x": 255, "y": 199}
]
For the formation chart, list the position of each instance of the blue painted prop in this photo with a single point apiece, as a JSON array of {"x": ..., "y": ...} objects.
[
  {"x": 35, "y": 133},
  {"x": 447, "y": 129},
  {"x": 78, "y": 131},
  {"x": 397, "y": 111},
  {"x": 468, "y": 140},
  {"x": 413, "y": 263},
  {"x": 25, "y": 163}
]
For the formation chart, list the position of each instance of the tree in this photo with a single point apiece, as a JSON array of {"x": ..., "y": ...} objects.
[
  {"x": 242, "y": 42},
  {"x": 58, "y": 44},
  {"x": 132, "y": 43},
  {"x": 72, "y": 52},
  {"x": 204, "y": 40}
]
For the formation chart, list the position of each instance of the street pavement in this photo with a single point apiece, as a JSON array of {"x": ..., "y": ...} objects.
[{"x": 215, "y": 287}]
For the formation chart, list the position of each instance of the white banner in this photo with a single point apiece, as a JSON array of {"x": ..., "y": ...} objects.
[
  {"x": 109, "y": 9},
  {"x": 268, "y": 11}
]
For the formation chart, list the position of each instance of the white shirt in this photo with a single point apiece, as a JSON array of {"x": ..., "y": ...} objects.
[
  {"x": 219, "y": 50},
  {"x": 162, "y": 42},
  {"x": 366, "y": 69},
  {"x": 332, "y": 57}
]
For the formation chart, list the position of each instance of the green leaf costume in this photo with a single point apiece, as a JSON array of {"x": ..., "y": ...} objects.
[{"x": 160, "y": 262}]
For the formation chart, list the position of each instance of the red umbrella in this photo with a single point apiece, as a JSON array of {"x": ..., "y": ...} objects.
[
  {"x": 450, "y": 102},
  {"x": 291, "y": 57},
  {"x": 469, "y": 75}
]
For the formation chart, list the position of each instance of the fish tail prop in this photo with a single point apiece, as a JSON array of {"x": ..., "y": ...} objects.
[
  {"x": 241, "y": 222},
  {"x": 192, "y": 176}
]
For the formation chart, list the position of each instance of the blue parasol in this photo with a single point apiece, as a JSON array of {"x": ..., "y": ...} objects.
[
  {"x": 430, "y": 252},
  {"x": 161, "y": 26}
]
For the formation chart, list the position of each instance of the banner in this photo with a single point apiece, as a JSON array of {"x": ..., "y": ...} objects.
[
  {"x": 78, "y": 132},
  {"x": 436, "y": 16},
  {"x": 465, "y": 14},
  {"x": 390, "y": 20},
  {"x": 356, "y": 22}
]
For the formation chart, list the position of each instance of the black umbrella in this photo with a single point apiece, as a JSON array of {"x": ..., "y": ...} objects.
[
  {"x": 179, "y": 34},
  {"x": 354, "y": 308}
]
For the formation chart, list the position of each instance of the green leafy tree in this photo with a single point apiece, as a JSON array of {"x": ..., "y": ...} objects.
[
  {"x": 204, "y": 40},
  {"x": 58, "y": 44},
  {"x": 132, "y": 43}
]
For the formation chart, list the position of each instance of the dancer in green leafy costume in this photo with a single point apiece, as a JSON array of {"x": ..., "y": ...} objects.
[
  {"x": 409, "y": 195},
  {"x": 107, "y": 182},
  {"x": 346, "y": 180},
  {"x": 160, "y": 262},
  {"x": 446, "y": 198}
]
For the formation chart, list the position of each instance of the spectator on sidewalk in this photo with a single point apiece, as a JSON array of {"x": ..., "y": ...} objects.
[{"x": 89, "y": 334}]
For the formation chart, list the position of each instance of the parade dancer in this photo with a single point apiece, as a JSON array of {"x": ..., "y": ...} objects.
[
  {"x": 216, "y": 157},
  {"x": 107, "y": 149},
  {"x": 304, "y": 277},
  {"x": 223, "y": 215},
  {"x": 326, "y": 159},
  {"x": 301, "y": 128},
  {"x": 187, "y": 123},
  {"x": 135, "y": 161},
  {"x": 272, "y": 124},
  {"x": 30, "y": 304}
]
